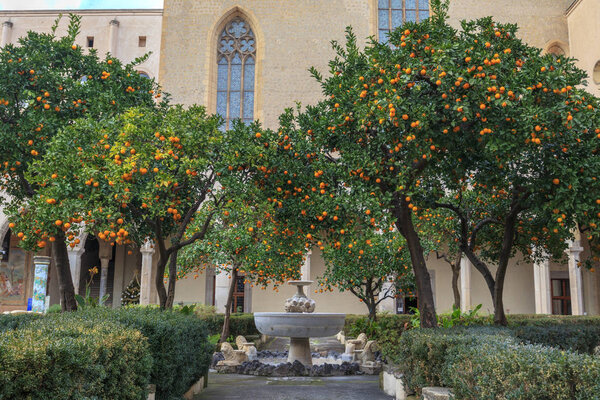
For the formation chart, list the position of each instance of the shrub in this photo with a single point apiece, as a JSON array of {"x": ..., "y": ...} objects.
[
  {"x": 543, "y": 320},
  {"x": 64, "y": 357},
  {"x": 504, "y": 370},
  {"x": 421, "y": 353},
  {"x": 16, "y": 321},
  {"x": 178, "y": 344},
  {"x": 239, "y": 324},
  {"x": 574, "y": 337},
  {"x": 355, "y": 324}
]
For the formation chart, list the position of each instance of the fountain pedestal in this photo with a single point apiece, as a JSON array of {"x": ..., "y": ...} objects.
[
  {"x": 299, "y": 323},
  {"x": 300, "y": 350}
]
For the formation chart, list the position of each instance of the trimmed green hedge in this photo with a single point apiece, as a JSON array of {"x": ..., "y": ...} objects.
[
  {"x": 504, "y": 370},
  {"x": 239, "y": 324},
  {"x": 544, "y": 320},
  {"x": 493, "y": 363},
  {"x": 69, "y": 358},
  {"x": 574, "y": 337},
  {"x": 421, "y": 354},
  {"x": 15, "y": 321},
  {"x": 177, "y": 344}
]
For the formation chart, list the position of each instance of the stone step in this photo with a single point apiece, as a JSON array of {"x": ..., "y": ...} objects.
[{"x": 436, "y": 393}]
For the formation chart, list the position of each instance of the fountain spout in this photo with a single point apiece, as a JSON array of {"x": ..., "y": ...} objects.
[{"x": 299, "y": 303}]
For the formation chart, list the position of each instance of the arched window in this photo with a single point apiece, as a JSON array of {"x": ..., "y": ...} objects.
[
  {"x": 393, "y": 13},
  {"x": 556, "y": 50},
  {"x": 236, "y": 58}
]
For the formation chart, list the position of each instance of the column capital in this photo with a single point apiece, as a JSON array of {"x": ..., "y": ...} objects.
[
  {"x": 77, "y": 250},
  {"x": 147, "y": 247},
  {"x": 7, "y": 24},
  {"x": 106, "y": 250},
  {"x": 41, "y": 260},
  {"x": 575, "y": 248},
  {"x": 114, "y": 22}
]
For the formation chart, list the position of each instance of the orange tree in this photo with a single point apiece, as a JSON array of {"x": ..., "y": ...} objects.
[
  {"x": 45, "y": 84},
  {"x": 363, "y": 260},
  {"x": 436, "y": 111},
  {"x": 142, "y": 175},
  {"x": 525, "y": 181},
  {"x": 244, "y": 240}
]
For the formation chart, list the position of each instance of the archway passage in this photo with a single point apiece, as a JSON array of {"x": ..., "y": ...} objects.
[{"x": 91, "y": 268}]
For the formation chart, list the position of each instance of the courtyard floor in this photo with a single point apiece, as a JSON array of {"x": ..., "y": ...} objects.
[{"x": 249, "y": 387}]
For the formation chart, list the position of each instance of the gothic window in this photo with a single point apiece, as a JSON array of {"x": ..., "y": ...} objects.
[
  {"x": 236, "y": 58},
  {"x": 393, "y": 13}
]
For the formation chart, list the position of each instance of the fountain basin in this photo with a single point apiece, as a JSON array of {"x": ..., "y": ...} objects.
[{"x": 299, "y": 325}]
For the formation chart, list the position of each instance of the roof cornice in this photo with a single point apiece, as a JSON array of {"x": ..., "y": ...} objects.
[{"x": 110, "y": 12}]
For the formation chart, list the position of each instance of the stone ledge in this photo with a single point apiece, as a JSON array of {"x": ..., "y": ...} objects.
[
  {"x": 194, "y": 390},
  {"x": 436, "y": 393}
]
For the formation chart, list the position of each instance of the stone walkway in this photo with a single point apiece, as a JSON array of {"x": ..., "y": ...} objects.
[{"x": 248, "y": 387}]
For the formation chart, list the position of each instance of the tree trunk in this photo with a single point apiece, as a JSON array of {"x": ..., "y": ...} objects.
[
  {"x": 370, "y": 300},
  {"x": 422, "y": 278},
  {"x": 225, "y": 330},
  {"x": 60, "y": 258},
  {"x": 159, "y": 282},
  {"x": 455, "y": 290},
  {"x": 172, "y": 280},
  {"x": 499, "y": 315},
  {"x": 372, "y": 310},
  {"x": 507, "y": 243}
]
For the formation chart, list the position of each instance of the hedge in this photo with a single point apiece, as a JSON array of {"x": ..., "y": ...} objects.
[
  {"x": 239, "y": 324},
  {"x": 178, "y": 344},
  {"x": 68, "y": 358},
  {"x": 504, "y": 370},
  {"x": 421, "y": 354},
  {"x": 493, "y": 363},
  {"x": 15, "y": 321},
  {"x": 574, "y": 337}
]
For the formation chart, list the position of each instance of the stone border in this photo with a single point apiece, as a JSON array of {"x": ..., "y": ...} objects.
[{"x": 194, "y": 390}]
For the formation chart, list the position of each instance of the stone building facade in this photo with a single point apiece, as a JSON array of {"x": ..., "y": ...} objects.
[{"x": 250, "y": 59}]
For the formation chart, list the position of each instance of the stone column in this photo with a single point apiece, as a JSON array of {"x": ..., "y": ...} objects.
[
  {"x": 147, "y": 251},
  {"x": 305, "y": 269},
  {"x": 387, "y": 304},
  {"x": 105, "y": 254},
  {"x": 40, "y": 283},
  {"x": 75, "y": 254},
  {"x": 465, "y": 284},
  {"x": 222, "y": 282},
  {"x": 6, "y": 33},
  {"x": 113, "y": 34},
  {"x": 541, "y": 281},
  {"x": 575, "y": 281}
]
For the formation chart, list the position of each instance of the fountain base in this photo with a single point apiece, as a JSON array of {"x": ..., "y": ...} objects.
[{"x": 300, "y": 350}]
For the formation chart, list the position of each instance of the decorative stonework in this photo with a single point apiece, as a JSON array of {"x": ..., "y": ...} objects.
[{"x": 299, "y": 303}]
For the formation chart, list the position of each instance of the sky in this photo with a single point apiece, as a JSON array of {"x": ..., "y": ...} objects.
[{"x": 77, "y": 4}]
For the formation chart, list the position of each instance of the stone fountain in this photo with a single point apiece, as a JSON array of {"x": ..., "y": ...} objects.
[{"x": 299, "y": 323}]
